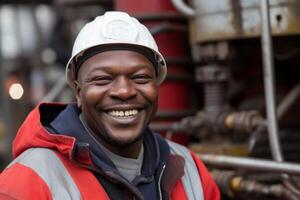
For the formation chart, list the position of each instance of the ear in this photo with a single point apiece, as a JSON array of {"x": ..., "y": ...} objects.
[{"x": 77, "y": 91}]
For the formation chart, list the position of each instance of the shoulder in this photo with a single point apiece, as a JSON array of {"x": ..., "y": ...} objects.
[
  {"x": 195, "y": 170},
  {"x": 34, "y": 156},
  {"x": 16, "y": 180},
  {"x": 184, "y": 152},
  {"x": 40, "y": 160},
  {"x": 43, "y": 168}
]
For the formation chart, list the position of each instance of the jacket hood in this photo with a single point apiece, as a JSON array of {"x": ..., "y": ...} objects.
[{"x": 33, "y": 133}]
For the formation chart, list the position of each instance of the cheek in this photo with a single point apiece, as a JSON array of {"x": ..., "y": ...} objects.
[
  {"x": 151, "y": 94},
  {"x": 92, "y": 96}
]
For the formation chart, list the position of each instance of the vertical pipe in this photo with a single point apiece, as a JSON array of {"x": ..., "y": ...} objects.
[
  {"x": 269, "y": 83},
  {"x": 181, "y": 6},
  {"x": 268, "y": 61}
]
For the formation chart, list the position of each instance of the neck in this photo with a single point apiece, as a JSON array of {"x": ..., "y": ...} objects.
[{"x": 128, "y": 151}]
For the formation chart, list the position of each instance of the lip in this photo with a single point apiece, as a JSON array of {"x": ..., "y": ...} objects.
[
  {"x": 124, "y": 121},
  {"x": 123, "y": 107}
]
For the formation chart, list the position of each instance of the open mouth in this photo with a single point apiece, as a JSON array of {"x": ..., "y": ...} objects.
[{"x": 123, "y": 113}]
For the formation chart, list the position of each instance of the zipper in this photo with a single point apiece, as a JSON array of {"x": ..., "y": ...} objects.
[
  {"x": 159, "y": 181},
  {"x": 114, "y": 177}
]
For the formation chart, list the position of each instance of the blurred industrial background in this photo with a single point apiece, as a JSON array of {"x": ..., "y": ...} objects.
[{"x": 232, "y": 93}]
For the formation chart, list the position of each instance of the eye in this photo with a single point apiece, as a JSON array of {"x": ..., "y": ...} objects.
[
  {"x": 101, "y": 80},
  {"x": 142, "y": 78}
]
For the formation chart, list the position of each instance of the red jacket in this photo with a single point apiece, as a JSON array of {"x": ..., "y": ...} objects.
[{"x": 45, "y": 168}]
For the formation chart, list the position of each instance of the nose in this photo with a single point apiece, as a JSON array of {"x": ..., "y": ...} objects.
[{"x": 123, "y": 89}]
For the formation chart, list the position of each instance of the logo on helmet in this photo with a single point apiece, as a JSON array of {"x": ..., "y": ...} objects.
[{"x": 120, "y": 31}]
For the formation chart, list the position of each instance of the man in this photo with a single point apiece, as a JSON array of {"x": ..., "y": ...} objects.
[{"x": 101, "y": 147}]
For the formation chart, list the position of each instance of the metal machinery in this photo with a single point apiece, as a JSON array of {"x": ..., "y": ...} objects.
[
  {"x": 233, "y": 88},
  {"x": 232, "y": 45}
]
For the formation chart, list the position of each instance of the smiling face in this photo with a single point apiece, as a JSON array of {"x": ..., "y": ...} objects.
[{"x": 117, "y": 93}]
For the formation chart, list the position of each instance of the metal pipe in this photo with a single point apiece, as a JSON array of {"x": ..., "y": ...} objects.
[
  {"x": 288, "y": 101},
  {"x": 55, "y": 90},
  {"x": 251, "y": 164},
  {"x": 282, "y": 108},
  {"x": 231, "y": 183},
  {"x": 268, "y": 65},
  {"x": 183, "y": 8},
  {"x": 169, "y": 114}
]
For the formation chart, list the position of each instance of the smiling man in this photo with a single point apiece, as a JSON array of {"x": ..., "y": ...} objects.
[
  {"x": 101, "y": 147},
  {"x": 117, "y": 93}
]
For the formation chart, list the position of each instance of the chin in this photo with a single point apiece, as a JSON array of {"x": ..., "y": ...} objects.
[
  {"x": 124, "y": 142},
  {"x": 122, "y": 138}
]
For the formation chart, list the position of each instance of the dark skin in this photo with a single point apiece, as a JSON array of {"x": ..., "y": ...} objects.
[{"x": 117, "y": 94}]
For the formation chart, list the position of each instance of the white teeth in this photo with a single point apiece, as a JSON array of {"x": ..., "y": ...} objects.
[{"x": 121, "y": 113}]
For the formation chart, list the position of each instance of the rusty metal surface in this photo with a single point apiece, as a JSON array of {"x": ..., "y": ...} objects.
[
  {"x": 232, "y": 19},
  {"x": 222, "y": 148},
  {"x": 234, "y": 185}
]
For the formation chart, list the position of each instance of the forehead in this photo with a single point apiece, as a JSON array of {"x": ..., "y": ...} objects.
[{"x": 117, "y": 60}]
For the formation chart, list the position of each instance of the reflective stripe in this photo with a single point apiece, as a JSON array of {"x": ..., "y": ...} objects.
[
  {"x": 50, "y": 168},
  {"x": 191, "y": 180}
]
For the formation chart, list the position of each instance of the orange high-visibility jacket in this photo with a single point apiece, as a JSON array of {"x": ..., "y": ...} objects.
[{"x": 47, "y": 167}]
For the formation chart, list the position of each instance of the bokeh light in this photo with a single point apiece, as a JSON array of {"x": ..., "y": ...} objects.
[{"x": 16, "y": 91}]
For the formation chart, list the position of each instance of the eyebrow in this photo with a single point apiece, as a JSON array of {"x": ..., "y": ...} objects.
[{"x": 107, "y": 68}]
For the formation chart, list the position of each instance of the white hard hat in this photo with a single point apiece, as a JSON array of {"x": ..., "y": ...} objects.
[{"x": 114, "y": 29}]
